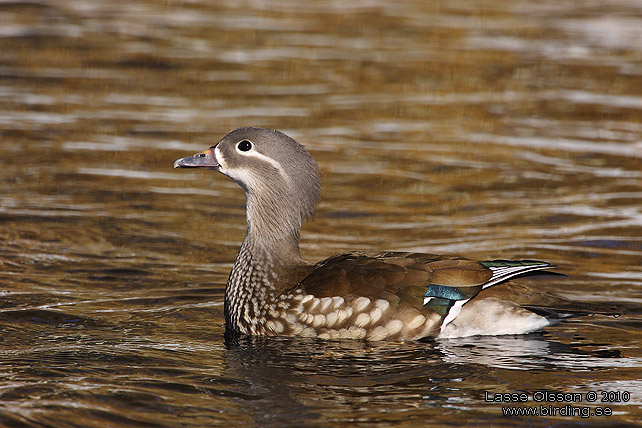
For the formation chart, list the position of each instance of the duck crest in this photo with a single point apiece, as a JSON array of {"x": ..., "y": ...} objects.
[{"x": 271, "y": 290}]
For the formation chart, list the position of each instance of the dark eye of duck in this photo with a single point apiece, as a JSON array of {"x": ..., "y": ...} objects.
[
  {"x": 201, "y": 155},
  {"x": 244, "y": 146}
]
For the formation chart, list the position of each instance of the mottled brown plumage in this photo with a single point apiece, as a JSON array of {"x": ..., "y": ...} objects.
[{"x": 374, "y": 296}]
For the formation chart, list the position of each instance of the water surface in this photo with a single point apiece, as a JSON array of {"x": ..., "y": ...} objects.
[{"x": 487, "y": 129}]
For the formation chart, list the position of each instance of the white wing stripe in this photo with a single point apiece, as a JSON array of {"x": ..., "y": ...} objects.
[{"x": 503, "y": 273}]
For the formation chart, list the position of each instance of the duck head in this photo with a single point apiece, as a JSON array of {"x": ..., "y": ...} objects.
[{"x": 280, "y": 178}]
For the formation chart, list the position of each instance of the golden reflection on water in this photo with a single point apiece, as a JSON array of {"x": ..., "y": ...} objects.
[{"x": 489, "y": 130}]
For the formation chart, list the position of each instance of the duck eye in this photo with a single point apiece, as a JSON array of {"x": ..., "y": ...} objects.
[
  {"x": 201, "y": 155},
  {"x": 244, "y": 146}
]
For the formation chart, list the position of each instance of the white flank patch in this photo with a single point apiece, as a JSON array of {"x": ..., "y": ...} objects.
[
  {"x": 360, "y": 304},
  {"x": 362, "y": 320},
  {"x": 314, "y": 303},
  {"x": 379, "y": 333},
  {"x": 343, "y": 315},
  {"x": 337, "y": 301},
  {"x": 494, "y": 317},
  {"x": 394, "y": 327},
  {"x": 318, "y": 321},
  {"x": 356, "y": 332},
  {"x": 375, "y": 314},
  {"x": 331, "y": 319},
  {"x": 275, "y": 326},
  {"x": 417, "y": 321},
  {"x": 382, "y": 304},
  {"x": 325, "y": 304}
]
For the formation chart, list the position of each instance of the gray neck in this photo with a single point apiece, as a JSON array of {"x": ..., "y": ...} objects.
[
  {"x": 269, "y": 261},
  {"x": 272, "y": 217}
]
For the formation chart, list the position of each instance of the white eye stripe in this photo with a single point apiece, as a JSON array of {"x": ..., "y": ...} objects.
[
  {"x": 274, "y": 163},
  {"x": 253, "y": 153}
]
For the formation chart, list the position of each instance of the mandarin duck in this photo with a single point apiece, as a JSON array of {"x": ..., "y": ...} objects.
[{"x": 398, "y": 296}]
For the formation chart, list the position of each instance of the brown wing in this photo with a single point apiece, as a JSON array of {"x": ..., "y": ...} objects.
[{"x": 392, "y": 276}]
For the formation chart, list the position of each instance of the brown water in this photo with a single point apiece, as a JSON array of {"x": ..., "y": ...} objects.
[{"x": 507, "y": 129}]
